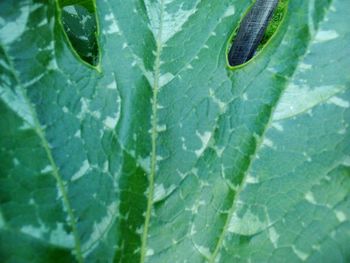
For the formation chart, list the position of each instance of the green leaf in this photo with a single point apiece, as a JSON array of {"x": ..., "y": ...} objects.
[
  {"x": 80, "y": 26},
  {"x": 88, "y": 4},
  {"x": 163, "y": 153}
]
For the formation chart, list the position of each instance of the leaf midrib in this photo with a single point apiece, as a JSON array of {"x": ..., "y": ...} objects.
[
  {"x": 154, "y": 135},
  {"x": 55, "y": 171},
  {"x": 257, "y": 148}
]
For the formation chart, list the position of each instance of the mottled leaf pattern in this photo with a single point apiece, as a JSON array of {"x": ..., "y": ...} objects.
[
  {"x": 80, "y": 26},
  {"x": 160, "y": 152}
]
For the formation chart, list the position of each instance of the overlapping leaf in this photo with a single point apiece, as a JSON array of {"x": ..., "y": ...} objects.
[{"x": 161, "y": 153}]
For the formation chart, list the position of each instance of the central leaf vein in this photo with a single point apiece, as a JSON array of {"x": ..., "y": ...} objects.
[{"x": 154, "y": 135}]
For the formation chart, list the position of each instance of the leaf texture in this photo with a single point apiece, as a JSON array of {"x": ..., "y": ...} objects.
[{"x": 161, "y": 152}]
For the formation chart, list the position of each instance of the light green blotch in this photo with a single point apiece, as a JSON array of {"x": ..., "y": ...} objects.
[
  {"x": 204, "y": 138},
  {"x": 247, "y": 224},
  {"x": 100, "y": 229},
  {"x": 325, "y": 35},
  {"x": 341, "y": 216},
  {"x": 301, "y": 98},
  {"x": 37, "y": 232},
  {"x": 340, "y": 102},
  {"x": 171, "y": 20},
  {"x": 160, "y": 193},
  {"x": 61, "y": 238},
  {"x": 15, "y": 100},
  {"x": 11, "y": 30},
  {"x": 82, "y": 170}
]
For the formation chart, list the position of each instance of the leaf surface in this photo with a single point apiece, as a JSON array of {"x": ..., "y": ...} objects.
[{"x": 161, "y": 152}]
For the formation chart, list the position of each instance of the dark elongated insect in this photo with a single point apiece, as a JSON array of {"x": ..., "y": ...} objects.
[{"x": 251, "y": 31}]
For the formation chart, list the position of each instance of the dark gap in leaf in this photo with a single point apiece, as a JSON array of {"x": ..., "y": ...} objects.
[
  {"x": 256, "y": 28},
  {"x": 79, "y": 22}
]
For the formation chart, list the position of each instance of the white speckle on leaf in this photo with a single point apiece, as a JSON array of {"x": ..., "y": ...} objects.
[
  {"x": 77, "y": 134},
  {"x": 248, "y": 224},
  {"x": 139, "y": 230},
  {"x": 346, "y": 161},
  {"x": 219, "y": 150},
  {"x": 205, "y": 137},
  {"x": 161, "y": 193},
  {"x": 52, "y": 64},
  {"x": 149, "y": 252},
  {"x": 112, "y": 85},
  {"x": 105, "y": 167},
  {"x": 96, "y": 114},
  {"x": 11, "y": 30},
  {"x": 274, "y": 236},
  {"x": 205, "y": 251},
  {"x": 65, "y": 109},
  {"x": 71, "y": 10},
  {"x": 304, "y": 66},
  {"x": 194, "y": 170},
  {"x": 35, "y": 231},
  {"x": 113, "y": 28},
  {"x": 316, "y": 247},
  {"x": 251, "y": 179},
  {"x": 300, "y": 98},
  {"x": 15, "y": 161},
  {"x": 161, "y": 128},
  {"x": 109, "y": 17},
  {"x": 32, "y": 201},
  {"x": 159, "y": 107},
  {"x": 165, "y": 79},
  {"x": 230, "y": 11},
  {"x": 100, "y": 228},
  {"x": 172, "y": 19},
  {"x": 183, "y": 140},
  {"x": 84, "y": 108},
  {"x": 160, "y": 158},
  {"x": 34, "y": 7},
  {"x": 245, "y": 96},
  {"x": 111, "y": 122},
  {"x": 277, "y": 126},
  {"x": 300, "y": 254},
  {"x": 309, "y": 196},
  {"x": 46, "y": 169},
  {"x": 341, "y": 216},
  {"x": 333, "y": 8},
  {"x": 339, "y": 102},
  {"x": 83, "y": 38},
  {"x": 82, "y": 170},
  {"x": 196, "y": 206},
  {"x": 61, "y": 238},
  {"x": 34, "y": 80},
  {"x": 144, "y": 162},
  {"x": 181, "y": 174},
  {"x": 267, "y": 142},
  {"x": 325, "y": 35},
  {"x": 220, "y": 103},
  {"x": 193, "y": 229}
]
